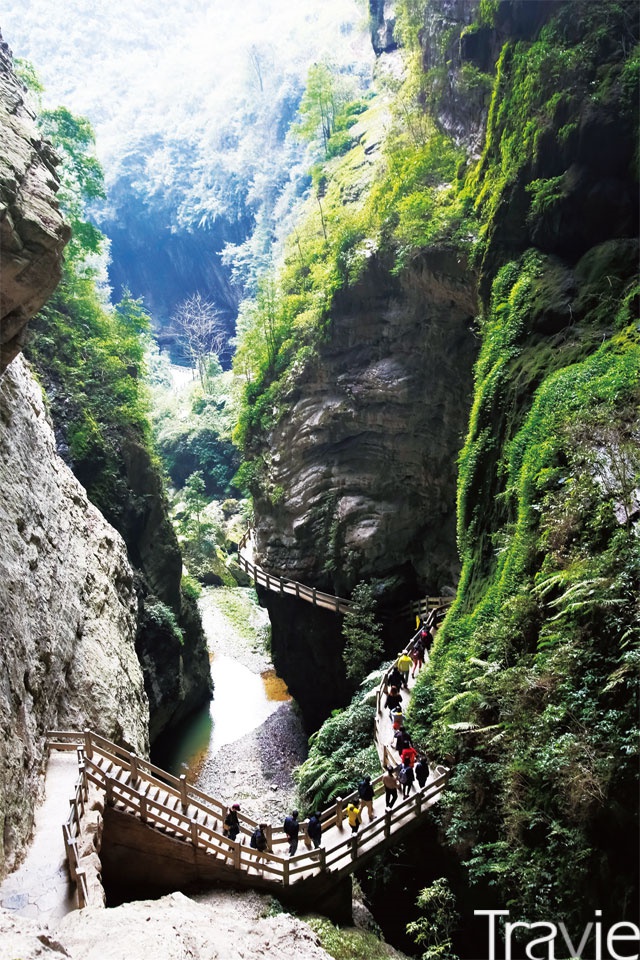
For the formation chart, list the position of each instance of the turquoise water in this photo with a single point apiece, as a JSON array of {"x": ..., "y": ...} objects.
[{"x": 242, "y": 701}]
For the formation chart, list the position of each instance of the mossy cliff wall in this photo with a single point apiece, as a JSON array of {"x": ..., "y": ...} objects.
[
  {"x": 530, "y": 688},
  {"x": 530, "y": 691},
  {"x": 365, "y": 461}
]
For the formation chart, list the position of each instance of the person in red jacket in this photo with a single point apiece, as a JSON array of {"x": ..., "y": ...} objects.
[{"x": 408, "y": 756}]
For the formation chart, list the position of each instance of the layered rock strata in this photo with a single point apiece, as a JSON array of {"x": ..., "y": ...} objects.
[
  {"x": 68, "y": 612},
  {"x": 362, "y": 468},
  {"x": 32, "y": 230}
]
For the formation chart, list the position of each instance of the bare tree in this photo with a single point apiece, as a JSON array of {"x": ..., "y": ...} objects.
[{"x": 200, "y": 332}]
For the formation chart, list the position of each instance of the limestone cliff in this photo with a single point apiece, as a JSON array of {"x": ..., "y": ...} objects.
[
  {"x": 32, "y": 230},
  {"x": 32, "y": 237},
  {"x": 364, "y": 462},
  {"x": 67, "y": 610}
]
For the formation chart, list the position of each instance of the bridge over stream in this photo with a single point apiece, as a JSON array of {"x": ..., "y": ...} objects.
[{"x": 161, "y": 833}]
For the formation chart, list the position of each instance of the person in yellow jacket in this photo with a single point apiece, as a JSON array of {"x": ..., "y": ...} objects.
[
  {"x": 404, "y": 664},
  {"x": 353, "y": 815}
]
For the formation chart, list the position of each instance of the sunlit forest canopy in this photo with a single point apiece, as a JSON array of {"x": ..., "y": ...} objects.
[{"x": 191, "y": 105}]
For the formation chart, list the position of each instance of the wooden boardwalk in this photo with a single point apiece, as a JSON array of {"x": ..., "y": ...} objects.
[
  {"x": 327, "y": 601},
  {"x": 171, "y": 814}
]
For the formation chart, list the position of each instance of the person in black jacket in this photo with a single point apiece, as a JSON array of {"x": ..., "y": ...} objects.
[
  {"x": 259, "y": 842},
  {"x": 231, "y": 822},
  {"x": 394, "y": 699},
  {"x": 421, "y": 771},
  {"x": 365, "y": 792},
  {"x": 292, "y": 828},
  {"x": 314, "y": 829}
]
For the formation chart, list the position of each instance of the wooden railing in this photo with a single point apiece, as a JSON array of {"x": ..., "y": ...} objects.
[
  {"x": 325, "y": 600},
  {"x": 172, "y": 804},
  {"x": 72, "y": 829}
]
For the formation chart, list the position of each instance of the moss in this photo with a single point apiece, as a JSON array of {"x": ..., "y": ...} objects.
[{"x": 350, "y": 943}]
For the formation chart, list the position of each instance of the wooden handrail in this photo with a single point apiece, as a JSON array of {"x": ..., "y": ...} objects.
[
  {"x": 319, "y": 599},
  {"x": 183, "y": 809},
  {"x": 161, "y": 813}
]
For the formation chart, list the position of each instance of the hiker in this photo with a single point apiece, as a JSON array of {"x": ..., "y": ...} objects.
[
  {"x": 408, "y": 756},
  {"x": 421, "y": 770},
  {"x": 365, "y": 793},
  {"x": 353, "y": 814},
  {"x": 394, "y": 678},
  {"x": 390, "y": 784},
  {"x": 394, "y": 700},
  {"x": 401, "y": 740},
  {"x": 403, "y": 663},
  {"x": 314, "y": 829},
  {"x": 417, "y": 656},
  {"x": 427, "y": 638},
  {"x": 231, "y": 822},
  {"x": 397, "y": 718},
  {"x": 292, "y": 828},
  {"x": 406, "y": 778},
  {"x": 259, "y": 841}
]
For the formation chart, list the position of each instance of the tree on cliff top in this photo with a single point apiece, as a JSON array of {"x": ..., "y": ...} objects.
[{"x": 361, "y": 631}]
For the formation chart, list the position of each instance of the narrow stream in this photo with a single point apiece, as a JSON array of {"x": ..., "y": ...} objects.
[{"x": 246, "y": 688}]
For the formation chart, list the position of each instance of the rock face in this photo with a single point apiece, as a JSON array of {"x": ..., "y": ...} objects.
[
  {"x": 382, "y": 20},
  {"x": 32, "y": 231},
  {"x": 177, "y": 675},
  {"x": 228, "y": 926},
  {"x": 364, "y": 461},
  {"x": 67, "y": 610}
]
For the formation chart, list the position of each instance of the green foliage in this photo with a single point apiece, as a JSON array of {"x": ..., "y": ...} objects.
[
  {"x": 351, "y": 944},
  {"x": 322, "y": 103},
  {"x": 434, "y": 931},
  {"x": 340, "y": 753},
  {"x": 190, "y": 587},
  {"x": 160, "y": 619},
  {"x": 361, "y": 632},
  {"x": 91, "y": 357},
  {"x": 81, "y": 177}
]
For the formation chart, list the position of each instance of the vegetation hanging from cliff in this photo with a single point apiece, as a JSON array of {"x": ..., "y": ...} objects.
[
  {"x": 531, "y": 691},
  {"x": 90, "y": 354}
]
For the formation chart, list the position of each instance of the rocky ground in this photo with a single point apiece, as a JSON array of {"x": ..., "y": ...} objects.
[
  {"x": 255, "y": 770},
  {"x": 222, "y": 924}
]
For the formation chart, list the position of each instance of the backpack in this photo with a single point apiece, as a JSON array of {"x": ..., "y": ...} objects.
[{"x": 254, "y": 839}]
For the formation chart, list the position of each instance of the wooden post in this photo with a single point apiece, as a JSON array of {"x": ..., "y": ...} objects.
[
  {"x": 297, "y": 589},
  {"x": 194, "y": 832},
  {"x": 354, "y": 846},
  {"x": 285, "y": 873},
  {"x": 183, "y": 792},
  {"x": 88, "y": 748},
  {"x": 133, "y": 761},
  {"x": 236, "y": 855},
  {"x": 268, "y": 583},
  {"x": 269, "y": 835},
  {"x": 387, "y": 824},
  {"x": 339, "y": 813},
  {"x": 81, "y": 881},
  {"x": 109, "y": 789},
  {"x": 281, "y": 585},
  {"x": 85, "y": 783},
  {"x": 313, "y": 596},
  {"x": 143, "y": 809},
  {"x": 419, "y": 803},
  {"x": 323, "y": 859}
]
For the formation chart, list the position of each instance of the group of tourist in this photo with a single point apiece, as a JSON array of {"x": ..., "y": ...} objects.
[{"x": 413, "y": 768}]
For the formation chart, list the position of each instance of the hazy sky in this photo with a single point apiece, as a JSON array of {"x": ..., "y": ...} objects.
[{"x": 151, "y": 64}]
